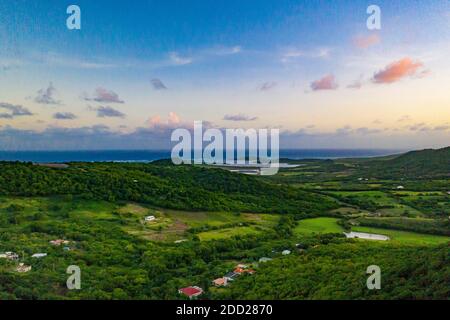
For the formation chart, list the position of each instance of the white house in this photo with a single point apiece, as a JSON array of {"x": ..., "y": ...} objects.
[
  {"x": 150, "y": 218},
  {"x": 400, "y": 187},
  {"x": 286, "y": 252},
  {"x": 39, "y": 255}
]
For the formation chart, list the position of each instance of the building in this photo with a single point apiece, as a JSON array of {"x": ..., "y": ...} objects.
[
  {"x": 191, "y": 292},
  {"x": 400, "y": 187},
  {"x": 59, "y": 242},
  {"x": 264, "y": 259},
  {"x": 150, "y": 218},
  {"x": 230, "y": 276},
  {"x": 9, "y": 255},
  {"x": 39, "y": 255},
  {"x": 22, "y": 268},
  {"x": 220, "y": 282},
  {"x": 286, "y": 252}
]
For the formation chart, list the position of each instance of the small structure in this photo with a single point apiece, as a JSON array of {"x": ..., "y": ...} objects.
[
  {"x": 180, "y": 241},
  {"x": 191, "y": 292},
  {"x": 59, "y": 242},
  {"x": 150, "y": 218},
  {"x": 400, "y": 187},
  {"x": 39, "y": 255},
  {"x": 366, "y": 236},
  {"x": 243, "y": 266},
  {"x": 67, "y": 248},
  {"x": 22, "y": 268},
  {"x": 286, "y": 252},
  {"x": 242, "y": 271},
  {"x": 9, "y": 255},
  {"x": 264, "y": 259},
  {"x": 220, "y": 282},
  {"x": 230, "y": 276}
]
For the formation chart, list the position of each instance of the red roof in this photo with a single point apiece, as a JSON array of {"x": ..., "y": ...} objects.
[{"x": 191, "y": 291}]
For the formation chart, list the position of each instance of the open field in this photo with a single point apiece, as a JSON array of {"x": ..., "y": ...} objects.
[
  {"x": 318, "y": 225},
  {"x": 405, "y": 237}
]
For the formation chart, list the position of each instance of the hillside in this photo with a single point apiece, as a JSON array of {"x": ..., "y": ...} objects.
[
  {"x": 160, "y": 184},
  {"x": 415, "y": 164}
]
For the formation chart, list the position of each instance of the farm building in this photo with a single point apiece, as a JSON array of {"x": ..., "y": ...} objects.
[
  {"x": 191, "y": 292},
  {"x": 39, "y": 255}
]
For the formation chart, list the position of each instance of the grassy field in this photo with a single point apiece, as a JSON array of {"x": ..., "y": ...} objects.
[
  {"x": 405, "y": 237},
  {"x": 318, "y": 225},
  {"x": 171, "y": 225},
  {"x": 388, "y": 205}
]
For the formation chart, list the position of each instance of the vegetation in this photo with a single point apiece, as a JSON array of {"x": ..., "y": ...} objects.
[{"x": 207, "y": 220}]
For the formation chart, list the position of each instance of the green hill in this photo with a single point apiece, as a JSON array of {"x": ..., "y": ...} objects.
[
  {"x": 161, "y": 184},
  {"x": 421, "y": 164}
]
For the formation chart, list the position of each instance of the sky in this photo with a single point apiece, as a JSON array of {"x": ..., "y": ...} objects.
[{"x": 136, "y": 70}]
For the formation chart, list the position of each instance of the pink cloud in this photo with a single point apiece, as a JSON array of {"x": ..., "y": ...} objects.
[
  {"x": 173, "y": 121},
  {"x": 328, "y": 82},
  {"x": 366, "y": 41},
  {"x": 397, "y": 70}
]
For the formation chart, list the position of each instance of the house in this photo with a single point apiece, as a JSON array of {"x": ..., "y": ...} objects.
[
  {"x": 230, "y": 276},
  {"x": 150, "y": 218},
  {"x": 180, "y": 241},
  {"x": 241, "y": 271},
  {"x": 220, "y": 282},
  {"x": 243, "y": 266},
  {"x": 59, "y": 242},
  {"x": 39, "y": 255},
  {"x": 191, "y": 292},
  {"x": 264, "y": 259},
  {"x": 286, "y": 252},
  {"x": 9, "y": 255},
  {"x": 400, "y": 187},
  {"x": 22, "y": 268}
]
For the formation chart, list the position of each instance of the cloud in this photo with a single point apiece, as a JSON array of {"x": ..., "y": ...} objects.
[
  {"x": 404, "y": 118},
  {"x": 443, "y": 127},
  {"x": 266, "y": 86},
  {"x": 103, "y": 95},
  {"x": 13, "y": 111},
  {"x": 223, "y": 51},
  {"x": 357, "y": 84},
  {"x": 108, "y": 112},
  {"x": 397, "y": 70},
  {"x": 364, "y": 42},
  {"x": 46, "y": 96},
  {"x": 365, "y": 131},
  {"x": 328, "y": 82},
  {"x": 294, "y": 53},
  {"x": 64, "y": 116},
  {"x": 239, "y": 117},
  {"x": 173, "y": 121},
  {"x": 158, "y": 84},
  {"x": 176, "y": 59}
]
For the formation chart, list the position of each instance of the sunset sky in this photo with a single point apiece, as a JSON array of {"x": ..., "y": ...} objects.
[{"x": 138, "y": 69}]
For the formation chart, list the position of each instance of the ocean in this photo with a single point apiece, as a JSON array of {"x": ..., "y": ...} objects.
[{"x": 151, "y": 155}]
